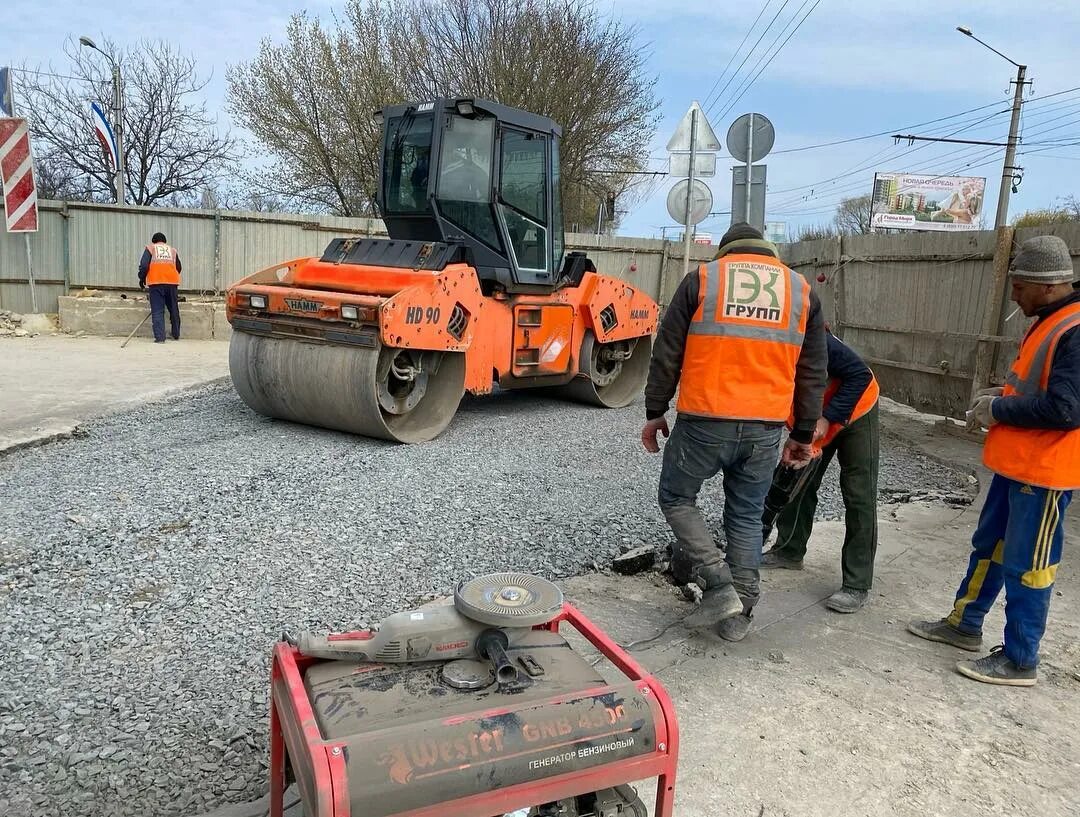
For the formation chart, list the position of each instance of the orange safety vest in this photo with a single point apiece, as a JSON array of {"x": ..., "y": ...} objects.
[
  {"x": 744, "y": 340},
  {"x": 162, "y": 265},
  {"x": 866, "y": 402},
  {"x": 1036, "y": 456}
]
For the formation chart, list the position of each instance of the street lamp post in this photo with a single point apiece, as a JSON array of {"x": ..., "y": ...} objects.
[
  {"x": 1014, "y": 126},
  {"x": 118, "y": 118}
]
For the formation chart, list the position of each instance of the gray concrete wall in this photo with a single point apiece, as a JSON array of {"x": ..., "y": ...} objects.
[{"x": 118, "y": 317}]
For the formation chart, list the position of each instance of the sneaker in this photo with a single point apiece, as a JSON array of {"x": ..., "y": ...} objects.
[
  {"x": 735, "y": 628},
  {"x": 774, "y": 559},
  {"x": 997, "y": 668},
  {"x": 941, "y": 630},
  {"x": 847, "y": 600},
  {"x": 717, "y": 604}
]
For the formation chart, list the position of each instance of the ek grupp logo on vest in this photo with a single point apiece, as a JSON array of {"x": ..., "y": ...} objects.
[{"x": 755, "y": 292}]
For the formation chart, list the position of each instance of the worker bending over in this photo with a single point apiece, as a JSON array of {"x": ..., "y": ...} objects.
[
  {"x": 742, "y": 338},
  {"x": 1033, "y": 448},
  {"x": 848, "y": 430},
  {"x": 160, "y": 268}
]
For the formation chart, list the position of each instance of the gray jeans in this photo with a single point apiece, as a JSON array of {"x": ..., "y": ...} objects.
[{"x": 697, "y": 450}]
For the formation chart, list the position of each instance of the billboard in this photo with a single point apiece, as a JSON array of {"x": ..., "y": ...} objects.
[{"x": 902, "y": 201}]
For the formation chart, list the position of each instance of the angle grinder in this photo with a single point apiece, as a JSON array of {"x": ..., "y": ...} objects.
[
  {"x": 786, "y": 483},
  {"x": 486, "y": 616}
]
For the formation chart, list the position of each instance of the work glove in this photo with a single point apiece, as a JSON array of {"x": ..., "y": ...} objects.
[
  {"x": 649, "y": 432},
  {"x": 981, "y": 413},
  {"x": 993, "y": 391}
]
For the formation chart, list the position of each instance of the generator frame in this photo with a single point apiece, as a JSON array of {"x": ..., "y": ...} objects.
[{"x": 295, "y": 736}]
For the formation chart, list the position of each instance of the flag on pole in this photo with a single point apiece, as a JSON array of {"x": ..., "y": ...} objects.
[
  {"x": 7, "y": 104},
  {"x": 104, "y": 132}
]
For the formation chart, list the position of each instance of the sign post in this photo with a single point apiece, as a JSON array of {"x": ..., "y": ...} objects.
[{"x": 694, "y": 135}]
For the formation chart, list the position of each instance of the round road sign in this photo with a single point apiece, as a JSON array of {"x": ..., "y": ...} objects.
[
  {"x": 738, "y": 137},
  {"x": 700, "y": 202}
]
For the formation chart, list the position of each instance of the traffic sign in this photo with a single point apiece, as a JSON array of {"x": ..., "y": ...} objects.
[
  {"x": 706, "y": 136},
  {"x": 750, "y": 127},
  {"x": 700, "y": 202},
  {"x": 704, "y": 165},
  {"x": 17, "y": 173}
]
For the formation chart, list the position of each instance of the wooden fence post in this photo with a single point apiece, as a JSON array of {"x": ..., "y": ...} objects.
[{"x": 995, "y": 299}]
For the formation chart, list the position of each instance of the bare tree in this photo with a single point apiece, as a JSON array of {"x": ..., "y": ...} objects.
[
  {"x": 853, "y": 215},
  {"x": 815, "y": 232},
  {"x": 309, "y": 101},
  {"x": 171, "y": 145}
]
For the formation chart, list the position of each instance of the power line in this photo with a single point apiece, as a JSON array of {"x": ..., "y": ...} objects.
[
  {"x": 735, "y": 101},
  {"x": 735, "y": 53},
  {"x": 749, "y": 53},
  {"x": 49, "y": 74}
]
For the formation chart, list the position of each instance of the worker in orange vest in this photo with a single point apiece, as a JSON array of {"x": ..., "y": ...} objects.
[
  {"x": 743, "y": 339},
  {"x": 848, "y": 430},
  {"x": 1033, "y": 448},
  {"x": 159, "y": 269}
]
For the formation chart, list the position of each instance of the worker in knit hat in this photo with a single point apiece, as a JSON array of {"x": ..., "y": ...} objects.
[{"x": 1033, "y": 449}]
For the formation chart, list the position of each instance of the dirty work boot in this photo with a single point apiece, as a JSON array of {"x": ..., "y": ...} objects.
[
  {"x": 997, "y": 668},
  {"x": 847, "y": 600},
  {"x": 717, "y": 604},
  {"x": 941, "y": 630},
  {"x": 735, "y": 628},
  {"x": 774, "y": 559}
]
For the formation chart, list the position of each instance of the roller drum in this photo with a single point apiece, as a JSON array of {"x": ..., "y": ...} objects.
[{"x": 350, "y": 389}]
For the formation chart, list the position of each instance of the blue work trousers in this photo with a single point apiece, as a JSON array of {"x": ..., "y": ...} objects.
[
  {"x": 1016, "y": 545},
  {"x": 164, "y": 296}
]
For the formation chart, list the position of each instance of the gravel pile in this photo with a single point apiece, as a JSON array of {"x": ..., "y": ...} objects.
[{"x": 147, "y": 566}]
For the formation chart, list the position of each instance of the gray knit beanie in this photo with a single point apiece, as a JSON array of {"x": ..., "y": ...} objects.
[{"x": 1044, "y": 259}]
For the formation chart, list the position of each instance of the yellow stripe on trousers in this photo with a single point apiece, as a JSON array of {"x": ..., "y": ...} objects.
[{"x": 976, "y": 583}]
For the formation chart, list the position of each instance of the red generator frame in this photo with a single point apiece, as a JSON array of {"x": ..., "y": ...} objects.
[{"x": 296, "y": 738}]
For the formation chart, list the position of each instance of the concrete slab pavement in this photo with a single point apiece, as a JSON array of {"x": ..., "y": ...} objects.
[{"x": 53, "y": 383}]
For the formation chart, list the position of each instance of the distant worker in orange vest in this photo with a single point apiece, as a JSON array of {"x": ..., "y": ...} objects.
[
  {"x": 742, "y": 340},
  {"x": 160, "y": 269},
  {"x": 1033, "y": 448},
  {"x": 848, "y": 430}
]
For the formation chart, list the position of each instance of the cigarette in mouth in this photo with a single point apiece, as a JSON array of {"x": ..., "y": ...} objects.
[{"x": 1013, "y": 314}]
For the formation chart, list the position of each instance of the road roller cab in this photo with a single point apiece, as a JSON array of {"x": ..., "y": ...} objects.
[
  {"x": 479, "y": 175},
  {"x": 382, "y": 337}
]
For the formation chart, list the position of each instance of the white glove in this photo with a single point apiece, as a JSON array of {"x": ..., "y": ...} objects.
[
  {"x": 993, "y": 391},
  {"x": 981, "y": 412}
]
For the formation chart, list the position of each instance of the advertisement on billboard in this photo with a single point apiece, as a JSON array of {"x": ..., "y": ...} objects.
[{"x": 903, "y": 201}]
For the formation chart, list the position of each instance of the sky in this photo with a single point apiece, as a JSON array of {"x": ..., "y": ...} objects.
[{"x": 850, "y": 69}]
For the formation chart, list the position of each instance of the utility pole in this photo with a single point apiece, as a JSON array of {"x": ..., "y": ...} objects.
[
  {"x": 1010, "y": 151},
  {"x": 689, "y": 192},
  {"x": 1014, "y": 126},
  {"x": 118, "y": 129},
  {"x": 118, "y": 117},
  {"x": 749, "y": 165}
]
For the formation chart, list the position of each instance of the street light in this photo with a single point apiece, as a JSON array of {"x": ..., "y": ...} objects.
[
  {"x": 118, "y": 117},
  {"x": 1010, "y": 151}
]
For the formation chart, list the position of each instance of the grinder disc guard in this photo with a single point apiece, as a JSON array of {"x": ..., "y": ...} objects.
[{"x": 509, "y": 600}]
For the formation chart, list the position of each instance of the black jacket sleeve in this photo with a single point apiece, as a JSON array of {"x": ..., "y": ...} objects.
[
  {"x": 1059, "y": 408},
  {"x": 179, "y": 266},
  {"x": 667, "y": 355},
  {"x": 144, "y": 267},
  {"x": 810, "y": 374},
  {"x": 854, "y": 376}
]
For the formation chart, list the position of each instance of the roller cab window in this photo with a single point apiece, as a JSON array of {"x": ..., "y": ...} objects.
[
  {"x": 465, "y": 168},
  {"x": 523, "y": 191},
  {"x": 407, "y": 164}
]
